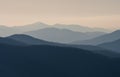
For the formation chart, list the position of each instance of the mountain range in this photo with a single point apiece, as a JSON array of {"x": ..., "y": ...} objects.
[
  {"x": 79, "y": 28},
  {"x": 43, "y": 34},
  {"x": 25, "y": 40},
  {"x": 6, "y": 31},
  {"x": 62, "y": 35},
  {"x": 26, "y": 56},
  {"x": 101, "y": 39},
  {"x": 41, "y": 50}
]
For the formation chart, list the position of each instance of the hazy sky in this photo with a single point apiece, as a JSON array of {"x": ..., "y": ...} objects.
[{"x": 92, "y": 13}]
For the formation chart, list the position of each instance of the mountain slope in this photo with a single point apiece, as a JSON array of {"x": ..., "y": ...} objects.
[
  {"x": 6, "y": 31},
  {"x": 31, "y": 27},
  {"x": 30, "y": 40},
  {"x": 9, "y": 41},
  {"x": 98, "y": 50},
  {"x": 114, "y": 46},
  {"x": 54, "y": 61},
  {"x": 101, "y": 39},
  {"x": 62, "y": 35}
]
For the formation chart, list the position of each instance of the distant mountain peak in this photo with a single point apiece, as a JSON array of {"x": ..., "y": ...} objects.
[
  {"x": 36, "y": 24},
  {"x": 40, "y": 23}
]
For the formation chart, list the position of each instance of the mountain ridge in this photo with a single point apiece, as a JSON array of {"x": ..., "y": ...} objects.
[
  {"x": 101, "y": 39},
  {"x": 62, "y": 35},
  {"x": 114, "y": 45},
  {"x": 6, "y": 31},
  {"x": 31, "y": 41}
]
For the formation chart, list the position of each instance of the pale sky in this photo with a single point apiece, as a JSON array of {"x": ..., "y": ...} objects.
[{"x": 92, "y": 13}]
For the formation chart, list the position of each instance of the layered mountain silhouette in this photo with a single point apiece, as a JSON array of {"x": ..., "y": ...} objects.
[
  {"x": 40, "y": 52},
  {"x": 55, "y": 61},
  {"x": 25, "y": 40},
  {"x": 26, "y": 56},
  {"x": 62, "y": 35},
  {"x": 6, "y": 31},
  {"x": 114, "y": 46},
  {"x": 101, "y": 39}
]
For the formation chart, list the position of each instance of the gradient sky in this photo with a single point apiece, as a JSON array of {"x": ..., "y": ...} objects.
[{"x": 92, "y": 13}]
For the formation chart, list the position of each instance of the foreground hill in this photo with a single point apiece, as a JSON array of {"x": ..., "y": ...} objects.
[
  {"x": 55, "y": 61},
  {"x": 101, "y": 39}
]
